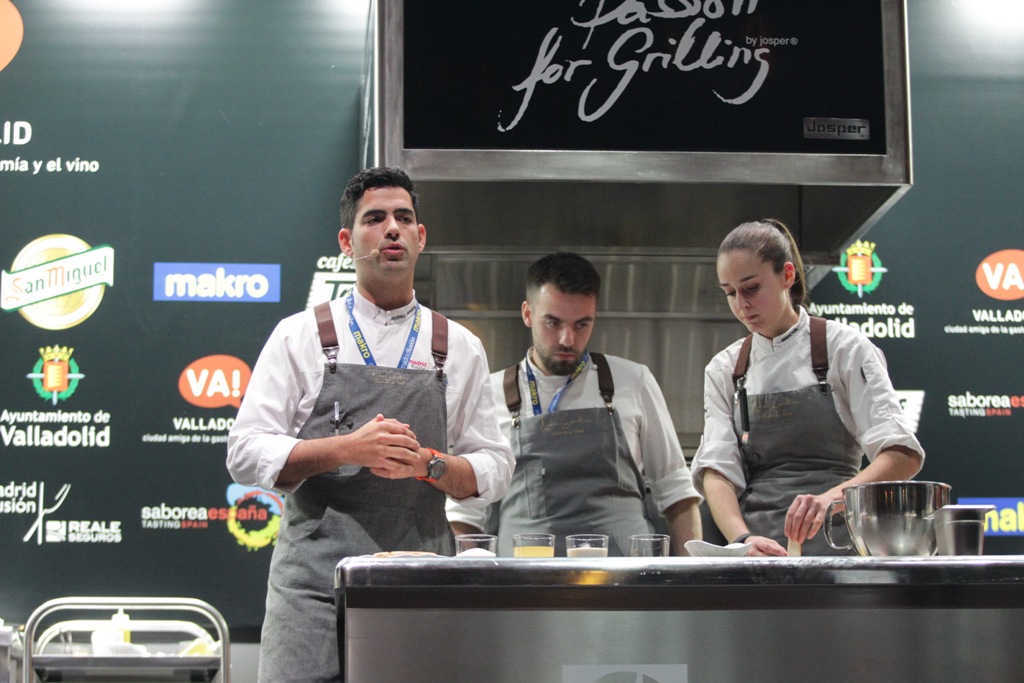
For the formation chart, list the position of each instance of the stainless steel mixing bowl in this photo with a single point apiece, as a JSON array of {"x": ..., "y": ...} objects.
[{"x": 888, "y": 518}]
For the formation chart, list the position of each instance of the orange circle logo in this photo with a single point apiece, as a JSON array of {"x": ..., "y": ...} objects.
[
  {"x": 1001, "y": 275},
  {"x": 215, "y": 381},
  {"x": 12, "y": 31}
]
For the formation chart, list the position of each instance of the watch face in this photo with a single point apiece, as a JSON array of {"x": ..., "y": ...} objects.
[{"x": 435, "y": 468}]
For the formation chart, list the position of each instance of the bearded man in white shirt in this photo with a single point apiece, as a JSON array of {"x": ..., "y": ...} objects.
[{"x": 589, "y": 430}]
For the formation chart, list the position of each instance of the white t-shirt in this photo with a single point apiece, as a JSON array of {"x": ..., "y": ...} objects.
[
  {"x": 863, "y": 394},
  {"x": 641, "y": 408},
  {"x": 289, "y": 373}
]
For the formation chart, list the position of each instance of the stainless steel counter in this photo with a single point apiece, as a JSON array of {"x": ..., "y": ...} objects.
[{"x": 681, "y": 620}]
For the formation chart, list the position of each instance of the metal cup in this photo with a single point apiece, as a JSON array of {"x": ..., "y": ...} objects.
[
  {"x": 966, "y": 537},
  {"x": 960, "y": 529}
]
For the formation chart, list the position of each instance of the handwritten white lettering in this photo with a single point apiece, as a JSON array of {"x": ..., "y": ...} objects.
[{"x": 635, "y": 51}]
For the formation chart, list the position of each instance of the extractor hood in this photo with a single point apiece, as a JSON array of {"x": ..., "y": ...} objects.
[{"x": 641, "y": 125}]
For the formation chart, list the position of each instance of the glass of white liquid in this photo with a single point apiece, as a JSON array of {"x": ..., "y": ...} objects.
[
  {"x": 476, "y": 545},
  {"x": 533, "y": 545},
  {"x": 586, "y": 545}
]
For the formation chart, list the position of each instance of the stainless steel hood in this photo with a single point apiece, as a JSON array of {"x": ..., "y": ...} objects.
[{"x": 647, "y": 189}]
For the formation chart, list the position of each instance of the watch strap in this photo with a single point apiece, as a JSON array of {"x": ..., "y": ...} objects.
[{"x": 435, "y": 454}]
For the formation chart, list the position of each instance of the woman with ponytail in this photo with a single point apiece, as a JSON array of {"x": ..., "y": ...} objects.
[{"x": 791, "y": 410}]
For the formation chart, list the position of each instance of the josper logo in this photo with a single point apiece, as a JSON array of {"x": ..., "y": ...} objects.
[
  {"x": 12, "y": 32},
  {"x": 860, "y": 270},
  {"x": 214, "y": 381},
  {"x": 999, "y": 275},
  {"x": 57, "y": 281}
]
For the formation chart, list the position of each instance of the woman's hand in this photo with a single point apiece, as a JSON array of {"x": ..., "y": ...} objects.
[
  {"x": 762, "y": 546},
  {"x": 806, "y": 516}
]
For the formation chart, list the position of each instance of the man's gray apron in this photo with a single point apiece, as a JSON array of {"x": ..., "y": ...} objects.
[
  {"x": 574, "y": 473},
  {"x": 795, "y": 443},
  {"x": 349, "y": 511}
]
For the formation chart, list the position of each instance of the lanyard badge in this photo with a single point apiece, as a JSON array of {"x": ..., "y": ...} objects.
[
  {"x": 531, "y": 381},
  {"x": 364, "y": 348}
]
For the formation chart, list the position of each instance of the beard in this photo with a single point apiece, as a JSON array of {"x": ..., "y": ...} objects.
[{"x": 557, "y": 366}]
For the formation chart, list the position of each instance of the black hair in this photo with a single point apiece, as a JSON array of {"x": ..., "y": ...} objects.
[
  {"x": 569, "y": 272},
  {"x": 368, "y": 179}
]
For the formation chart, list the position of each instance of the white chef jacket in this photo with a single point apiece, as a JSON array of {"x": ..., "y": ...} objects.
[
  {"x": 641, "y": 408},
  {"x": 861, "y": 390},
  {"x": 289, "y": 373}
]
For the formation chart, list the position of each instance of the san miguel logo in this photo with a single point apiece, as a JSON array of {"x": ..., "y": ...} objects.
[
  {"x": 55, "y": 375},
  {"x": 860, "y": 270},
  {"x": 12, "y": 32},
  {"x": 57, "y": 281},
  {"x": 999, "y": 275}
]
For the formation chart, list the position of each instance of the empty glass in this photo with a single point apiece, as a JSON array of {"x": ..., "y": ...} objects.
[{"x": 648, "y": 545}]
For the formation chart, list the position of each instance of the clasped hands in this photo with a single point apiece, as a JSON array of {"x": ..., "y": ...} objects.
[{"x": 389, "y": 449}]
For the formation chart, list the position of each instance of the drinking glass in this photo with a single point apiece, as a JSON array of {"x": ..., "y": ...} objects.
[
  {"x": 586, "y": 545},
  {"x": 648, "y": 545},
  {"x": 479, "y": 545},
  {"x": 533, "y": 545}
]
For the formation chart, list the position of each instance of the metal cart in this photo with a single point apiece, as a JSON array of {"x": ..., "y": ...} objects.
[{"x": 55, "y": 655}]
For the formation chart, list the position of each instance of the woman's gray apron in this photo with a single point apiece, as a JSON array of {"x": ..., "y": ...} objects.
[
  {"x": 795, "y": 443},
  {"x": 574, "y": 473},
  {"x": 349, "y": 511}
]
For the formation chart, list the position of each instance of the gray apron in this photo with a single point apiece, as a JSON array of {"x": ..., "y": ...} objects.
[
  {"x": 574, "y": 474},
  {"x": 350, "y": 511},
  {"x": 795, "y": 443}
]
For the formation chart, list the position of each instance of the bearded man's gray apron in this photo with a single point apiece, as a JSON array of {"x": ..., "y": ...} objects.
[
  {"x": 792, "y": 442},
  {"x": 574, "y": 473},
  {"x": 349, "y": 511}
]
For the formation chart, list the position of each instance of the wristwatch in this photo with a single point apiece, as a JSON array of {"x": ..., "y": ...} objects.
[{"x": 435, "y": 468}]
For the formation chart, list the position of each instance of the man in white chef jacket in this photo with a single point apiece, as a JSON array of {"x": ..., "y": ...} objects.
[
  {"x": 587, "y": 429},
  {"x": 367, "y": 412}
]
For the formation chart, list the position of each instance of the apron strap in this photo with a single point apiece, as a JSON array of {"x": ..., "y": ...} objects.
[
  {"x": 605, "y": 383},
  {"x": 819, "y": 355},
  {"x": 329, "y": 337},
  {"x": 742, "y": 361},
  {"x": 819, "y": 352},
  {"x": 439, "y": 344},
  {"x": 513, "y": 399},
  {"x": 328, "y": 334}
]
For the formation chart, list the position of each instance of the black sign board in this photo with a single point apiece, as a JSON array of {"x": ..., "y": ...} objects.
[{"x": 737, "y": 76}]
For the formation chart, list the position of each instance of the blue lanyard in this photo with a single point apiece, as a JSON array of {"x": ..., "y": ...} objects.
[
  {"x": 364, "y": 348},
  {"x": 531, "y": 382}
]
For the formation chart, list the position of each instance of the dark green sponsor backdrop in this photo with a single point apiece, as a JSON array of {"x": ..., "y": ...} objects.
[
  {"x": 967, "y": 348},
  {"x": 217, "y": 133}
]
